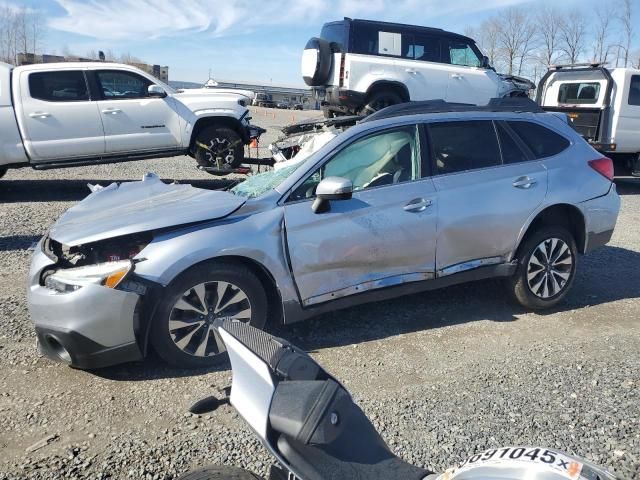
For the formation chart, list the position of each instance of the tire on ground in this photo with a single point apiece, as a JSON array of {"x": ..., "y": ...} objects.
[
  {"x": 219, "y": 473},
  {"x": 518, "y": 286},
  {"x": 380, "y": 99},
  {"x": 223, "y": 139},
  {"x": 233, "y": 273}
]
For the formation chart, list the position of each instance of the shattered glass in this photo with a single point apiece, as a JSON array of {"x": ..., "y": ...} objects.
[{"x": 259, "y": 184}]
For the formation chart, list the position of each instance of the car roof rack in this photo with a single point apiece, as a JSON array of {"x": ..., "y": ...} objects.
[
  {"x": 509, "y": 104},
  {"x": 577, "y": 65}
]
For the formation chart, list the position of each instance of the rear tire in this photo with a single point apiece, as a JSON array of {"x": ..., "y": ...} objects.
[
  {"x": 3, "y": 171},
  {"x": 547, "y": 262},
  {"x": 226, "y": 142},
  {"x": 182, "y": 333},
  {"x": 379, "y": 100},
  {"x": 219, "y": 473}
]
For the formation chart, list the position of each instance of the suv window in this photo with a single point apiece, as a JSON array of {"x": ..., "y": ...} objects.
[
  {"x": 511, "y": 151},
  {"x": 62, "y": 86},
  {"x": 421, "y": 47},
  {"x": 384, "y": 158},
  {"x": 458, "y": 52},
  {"x": 634, "y": 90},
  {"x": 464, "y": 145},
  {"x": 116, "y": 85},
  {"x": 575, "y": 93},
  {"x": 335, "y": 33},
  {"x": 540, "y": 140}
]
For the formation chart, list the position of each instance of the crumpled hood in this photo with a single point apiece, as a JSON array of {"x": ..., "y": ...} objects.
[{"x": 126, "y": 208}]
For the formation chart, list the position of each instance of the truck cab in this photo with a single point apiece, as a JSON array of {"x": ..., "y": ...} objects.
[{"x": 602, "y": 104}]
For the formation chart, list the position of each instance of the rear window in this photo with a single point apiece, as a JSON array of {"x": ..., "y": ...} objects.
[
  {"x": 579, "y": 93},
  {"x": 511, "y": 151},
  {"x": 461, "y": 146},
  {"x": 65, "y": 86},
  {"x": 335, "y": 33},
  {"x": 634, "y": 90},
  {"x": 540, "y": 140}
]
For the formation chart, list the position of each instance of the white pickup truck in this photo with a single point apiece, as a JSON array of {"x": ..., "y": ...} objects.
[{"x": 71, "y": 114}]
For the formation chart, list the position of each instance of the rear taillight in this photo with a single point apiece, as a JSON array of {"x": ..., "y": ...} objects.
[
  {"x": 342, "y": 60},
  {"x": 604, "y": 166}
]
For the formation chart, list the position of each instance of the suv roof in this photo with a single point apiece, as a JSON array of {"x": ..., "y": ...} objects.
[
  {"x": 404, "y": 26},
  {"x": 510, "y": 104}
]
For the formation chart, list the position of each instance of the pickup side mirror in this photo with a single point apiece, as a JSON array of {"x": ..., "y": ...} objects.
[
  {"x": 331, "y": 188},
  {"x": 156, "y": 91},
  {"x": 485, "y": 62}
]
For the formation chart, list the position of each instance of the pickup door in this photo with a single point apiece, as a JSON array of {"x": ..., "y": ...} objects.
[
  {"x": 56, "y": 115},
  {"x": 132, "y": 120}
]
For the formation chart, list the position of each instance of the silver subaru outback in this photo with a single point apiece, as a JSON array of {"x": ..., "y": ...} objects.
[{"x": 415, "y": 197}]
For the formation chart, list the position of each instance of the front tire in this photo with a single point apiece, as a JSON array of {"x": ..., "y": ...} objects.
[
  {"x": 219, "y": 473},
  {"x": 183, "y": 332},
  {"x": 546, "y": 270},
  {"x": 226, "y": 148}
]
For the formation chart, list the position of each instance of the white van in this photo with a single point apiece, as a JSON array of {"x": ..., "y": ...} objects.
[{"x": 603, "y": 105}]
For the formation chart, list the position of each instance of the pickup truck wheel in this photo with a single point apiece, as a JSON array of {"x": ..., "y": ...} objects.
[
  {"x": 225, "y": 148},
  {"x": 546, "y": 269},
  {"x": 183, "y": 333},
  {"x": 215, "y": 472},
  {"x": 379, "y": 100},
  {"x": 3, "y": 171}
]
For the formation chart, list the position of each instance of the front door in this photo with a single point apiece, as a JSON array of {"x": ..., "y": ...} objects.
[
  {"x": 59, "y": 120},
  {"x": 133, "y": 121},
  {"x": 383, "y": 236},
  {"x": 468, "y": 82},
  {"x": 486, "y": 192},
  {"x": 421, "y": 69}
]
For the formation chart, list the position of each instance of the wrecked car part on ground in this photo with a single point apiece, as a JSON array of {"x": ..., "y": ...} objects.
[
  {"x": 314, "y": 430},
  {"x": 371, "y": 215}
]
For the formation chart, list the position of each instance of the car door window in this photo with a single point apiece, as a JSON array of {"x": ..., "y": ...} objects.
[
  {"x": 511, "y": 151},
  {"x": 61, "y": 86},
  {"x": 634, "y": 90},
  {"x": 423, "y": 47},
  {"x": 384, "y": 158},
  {"x": 540, "y": 140},
  {"x": 119, "y": 85},
  {"x": 458, "y": 52},
  {"x": 464, "y": 145}
]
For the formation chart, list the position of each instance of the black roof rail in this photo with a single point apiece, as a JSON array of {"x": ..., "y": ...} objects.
[
  {"x": 509, "y": 104},
  {"x": 577, "y": 65}
]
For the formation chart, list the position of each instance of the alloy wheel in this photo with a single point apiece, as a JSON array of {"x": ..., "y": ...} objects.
[
  {"x": 549, "y": 268},
  {"x": 192, "y": 318},
  {"x": 222, "y": 148}
]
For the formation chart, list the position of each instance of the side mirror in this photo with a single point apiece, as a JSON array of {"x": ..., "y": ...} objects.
[
  {"x": 331, "y": 188},
  {"x": 485, "y": 62},
  {"x": 156, "y": 91}
]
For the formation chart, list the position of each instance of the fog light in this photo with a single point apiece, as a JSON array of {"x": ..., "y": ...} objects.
[{"x": 58, "y": 349}]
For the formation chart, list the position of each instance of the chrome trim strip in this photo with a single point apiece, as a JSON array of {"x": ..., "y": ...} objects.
[{"x": 469, "y": 265}]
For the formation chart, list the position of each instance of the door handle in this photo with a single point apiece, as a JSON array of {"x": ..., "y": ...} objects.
[
  {"x": 111, "y": 111},
  {"x": 410, "y": 70},
  {"x": 39, "y": 115},
  {"x": 524, "y": 182},
  {"x": 417, "y": 205},
  {"x": 458, "y": 76}
]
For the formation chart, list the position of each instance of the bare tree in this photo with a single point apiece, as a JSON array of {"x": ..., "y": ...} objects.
[
  {"x": 515, "y": 37},
  {"x": 626, "y": 18},
  {"x": 573, "y": 35},
  {"x": 601, "y": 47},
  {"x": 549, "y": 35},
  {"x": 92, "y": 54},
  {"x": 21, "y": 31}
]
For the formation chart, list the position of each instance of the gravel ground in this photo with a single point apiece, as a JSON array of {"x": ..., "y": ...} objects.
[{"x": 442, "y": 374}]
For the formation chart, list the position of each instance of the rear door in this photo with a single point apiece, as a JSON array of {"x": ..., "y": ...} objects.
[
  {"x": 383, "y": 236},
  {"x": 488, "y": 185},
  {"x": 133, "y": 121},
  {"x": 467, "y": 81},
  {"x": 420, "y": 66},
  {"x": 57, "y": 116}
]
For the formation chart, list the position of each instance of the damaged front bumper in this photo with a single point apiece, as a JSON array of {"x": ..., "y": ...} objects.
[{"x": 91, "y": 327}]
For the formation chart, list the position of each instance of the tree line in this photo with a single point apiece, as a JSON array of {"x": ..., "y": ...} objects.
[{"x": 524, "y": 41}]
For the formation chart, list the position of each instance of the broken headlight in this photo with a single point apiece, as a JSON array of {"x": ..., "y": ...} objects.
[{"x": 108, "y": 274}]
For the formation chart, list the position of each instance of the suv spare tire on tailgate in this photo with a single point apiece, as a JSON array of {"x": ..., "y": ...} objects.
[{"x": 316, "y": 62}]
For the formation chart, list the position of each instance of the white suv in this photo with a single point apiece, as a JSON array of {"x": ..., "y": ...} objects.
[{"x": 360, "y": 66}]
